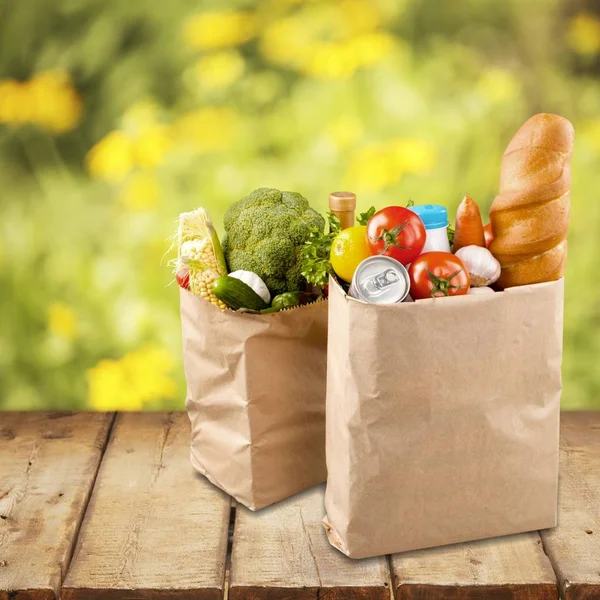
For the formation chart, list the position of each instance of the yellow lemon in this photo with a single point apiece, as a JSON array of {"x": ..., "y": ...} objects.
[{"x": 348, "y": 249}]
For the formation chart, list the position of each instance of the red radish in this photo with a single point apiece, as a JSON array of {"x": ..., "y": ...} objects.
[{"x": 183, "y": 279}]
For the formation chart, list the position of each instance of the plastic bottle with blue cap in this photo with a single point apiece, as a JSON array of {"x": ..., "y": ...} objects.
[{"x": 435, "y": 219}]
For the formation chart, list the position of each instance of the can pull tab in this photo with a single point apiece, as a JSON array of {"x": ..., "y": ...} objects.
[{"x": 377, "y": 284}]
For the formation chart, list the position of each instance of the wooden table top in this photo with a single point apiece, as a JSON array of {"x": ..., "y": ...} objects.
[{"x": 103, "y": 506}]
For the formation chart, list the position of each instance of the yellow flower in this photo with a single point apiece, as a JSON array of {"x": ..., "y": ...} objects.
[
  {"x": 328, "y": 39},
  {"x": 330, "y": 61},
  {"x": 341, "y": 60},
  {"x": 221, "y": 69},
  {"x": 112, "y": 158},
  {"x": 380, "y": 165},
  {"x": 140, "y": 116},
  {"x": 218, "y": 29},
  {"x": 143, "y": 142},
  {"x": 62, "y": 321},
  {"x": 206, "y": 129},
  {"x": 583, "y": 34},
  {"x": 413, "y": 155},
  {"x": 371, "y": 48},
  {"x": 57, "y": 105},
  {"x": 48, "y": 100},
  {"x": 359, "y": 16},
  {"x": 284, "y": 42},
  {"x": 140, "y": 377},
  {"x": 499, "y": 85},
  {"x": 141, "y": 192},
  {"x": 151, "y": 145},
  {"x": 16, "y": 106},
  {"x": 150, "y": 139}
]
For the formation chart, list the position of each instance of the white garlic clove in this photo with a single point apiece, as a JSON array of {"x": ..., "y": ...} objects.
[
  {"x": 480, "y": 291},
  {"x": 483, "y": 268}
]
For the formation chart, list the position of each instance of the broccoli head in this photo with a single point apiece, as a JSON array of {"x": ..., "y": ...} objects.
[{"x": 265, "y": 233}]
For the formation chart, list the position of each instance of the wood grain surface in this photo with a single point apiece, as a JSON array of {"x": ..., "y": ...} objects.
[
  {"x": 282, "y": 552},
  {"x": 574, "y": 546},
  {"x": 512, "y": 567},
  {"x": 48, "y": 462},
  {"x": 153, "y": 528}
]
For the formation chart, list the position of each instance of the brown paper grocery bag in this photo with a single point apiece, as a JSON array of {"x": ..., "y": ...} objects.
[
  {"x": 442, "y": 418},
  {"x": 256, "y": 398}
]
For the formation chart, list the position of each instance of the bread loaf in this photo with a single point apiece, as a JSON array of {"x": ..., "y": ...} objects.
[{"x": 530, "y": 215}]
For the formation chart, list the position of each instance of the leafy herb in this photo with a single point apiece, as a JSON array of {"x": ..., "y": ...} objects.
[
  {"x": 450, "y": 235},
  {"x": 363, "y": 218},
  {"x": 410, "y": 203},
  {"x": 315, "y": 264},
  {"x": 334, "y": 223}
]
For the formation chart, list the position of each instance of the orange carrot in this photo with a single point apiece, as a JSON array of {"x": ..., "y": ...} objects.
[
  {"x": 488, "y": 234},
  {"x": 468, "y": 230}
]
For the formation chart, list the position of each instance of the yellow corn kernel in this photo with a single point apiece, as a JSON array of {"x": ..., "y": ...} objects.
[{"x": 200, "y": 251}]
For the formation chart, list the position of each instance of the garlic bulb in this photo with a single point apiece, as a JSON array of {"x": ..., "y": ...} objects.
[
  {"x": 483, "y": 268},
  {"x": 255, "y": 282},
  {"x": 480, "y": 291}
]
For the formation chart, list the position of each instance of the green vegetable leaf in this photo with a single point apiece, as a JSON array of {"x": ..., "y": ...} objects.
[
  {"x": 450, "y": 235},
  {"x": 363, "y": 218},
  {"x": 314, "y": 256},
  {"x": 334, "y": 223},
  {"x": 410, "y": 203}
]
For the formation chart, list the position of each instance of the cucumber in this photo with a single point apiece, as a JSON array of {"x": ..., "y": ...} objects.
[
  {"x": 286, "y": 300},
  {"x": 237, "y": 294}
]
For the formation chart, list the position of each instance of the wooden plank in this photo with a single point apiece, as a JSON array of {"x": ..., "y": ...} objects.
[
  {"x": 512, "y": 567},
  {"x": 574, "y": 546},
  {"x": 282, "y": 552},
  {"x": 47, "y": 469},
  {"x": 153, "y": 529}
]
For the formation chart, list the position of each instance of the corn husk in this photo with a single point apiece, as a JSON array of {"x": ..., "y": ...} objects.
[{"x": 199, "y": 251}]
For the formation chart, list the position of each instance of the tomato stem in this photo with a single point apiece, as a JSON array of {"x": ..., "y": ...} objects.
[
  {"x": 389, "y": 237},
  {"x": 443, "y": 285}
]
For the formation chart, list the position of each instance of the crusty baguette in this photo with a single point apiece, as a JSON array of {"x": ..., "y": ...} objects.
[{"x": 530, "y": 215}]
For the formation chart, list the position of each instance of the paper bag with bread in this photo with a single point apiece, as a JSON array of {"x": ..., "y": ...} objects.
[{"x": 443, "y": 413}]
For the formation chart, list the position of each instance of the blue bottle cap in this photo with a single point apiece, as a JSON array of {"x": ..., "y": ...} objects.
[{"x": 433, "y": 216}]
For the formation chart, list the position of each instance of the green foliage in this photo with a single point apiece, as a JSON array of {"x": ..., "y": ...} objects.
[
  {"x": 265, "y": 232},
  {"x": 316, "y": 266},
  {"x": 364, "y": 217},
  {"x": 426, "y": 114}
]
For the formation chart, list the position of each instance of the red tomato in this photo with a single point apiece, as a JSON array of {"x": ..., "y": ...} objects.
[
  {"x": 488, "y": 234},
  {"x": 436, "y": 274},
  {"x": 398, "y": 232},
  {"x": 183, "y": 279}
]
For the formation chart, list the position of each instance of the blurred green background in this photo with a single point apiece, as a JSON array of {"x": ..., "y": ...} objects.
[{"x": 117, "y": 116}]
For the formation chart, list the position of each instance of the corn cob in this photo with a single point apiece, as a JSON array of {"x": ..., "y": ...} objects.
[{"x": 199, "y": 250}]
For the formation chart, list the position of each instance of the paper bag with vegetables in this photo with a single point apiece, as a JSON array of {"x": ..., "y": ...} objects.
[
  {"x": 443, "y": 413},
  {"x": 254, "y": 347}
]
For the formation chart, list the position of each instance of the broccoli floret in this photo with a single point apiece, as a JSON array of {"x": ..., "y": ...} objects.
[{"x": 265, "y": 233}]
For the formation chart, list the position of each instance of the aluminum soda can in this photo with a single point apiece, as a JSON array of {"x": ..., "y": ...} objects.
[{"x": 380, "y": 280}]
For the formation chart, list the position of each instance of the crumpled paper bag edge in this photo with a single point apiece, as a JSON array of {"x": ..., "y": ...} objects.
[
  {"x": 333, "y": 537},
  {"x": 198, "y": 467}
]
